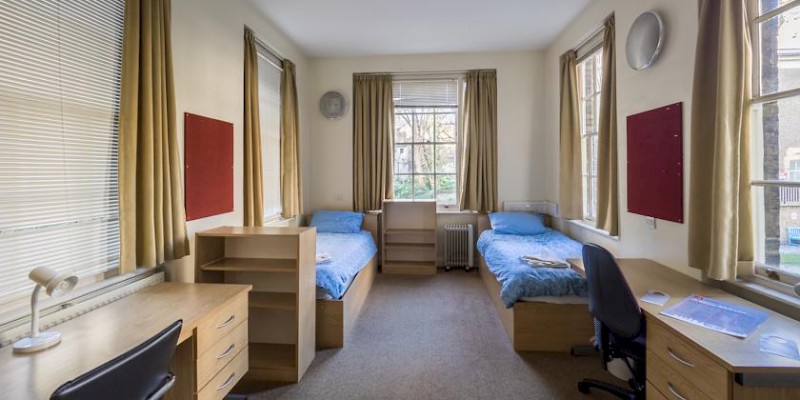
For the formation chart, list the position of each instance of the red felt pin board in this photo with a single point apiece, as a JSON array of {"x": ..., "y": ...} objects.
[
  {"x": 655, "y": 163},
  {"x": 208, "y": 166}
]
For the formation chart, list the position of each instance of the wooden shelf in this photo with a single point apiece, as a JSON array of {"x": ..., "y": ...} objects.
[
  {"x": 252, "y": 265},
  {"x": 411, "y": 232},
  {"x": 273, "y": 300},
  {"x": 269, "y": 356},
  {"x": 409, "y": 245},
  {"x": 409, "y": 267}
]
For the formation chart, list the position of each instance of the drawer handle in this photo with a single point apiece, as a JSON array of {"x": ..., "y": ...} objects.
[
  {"x": 228, "y": 322},
  {"x": 230, "y": 381},
  {"x": 674, "y": 392},
  {"x": 227, "y": 352},
  {"x": 678, "y": 359}
]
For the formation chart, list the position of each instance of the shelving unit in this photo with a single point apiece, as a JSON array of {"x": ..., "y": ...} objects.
[
  {"x": 280, "y": 264},
  {"x": 409, "y": 237}
]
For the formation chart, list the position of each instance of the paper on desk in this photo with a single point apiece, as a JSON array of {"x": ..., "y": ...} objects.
[
  {"x": 779, "y": 346},
  {"x": 655, "y": 297},
  {"x": 717, "y": 315}
]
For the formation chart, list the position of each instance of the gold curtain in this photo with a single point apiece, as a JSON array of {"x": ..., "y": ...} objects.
[
  {"x": 607, "y": 166},
  {"x": 720, "y": 219},
  {"x": 478, "y": 182},
  {"x": 373, "y": 141},
  {"x": 570, "y": 196},
  {"x": 291, "y": 190},
  {"x": 253, "y": 179},
  {"x": 152, "y": 215}
]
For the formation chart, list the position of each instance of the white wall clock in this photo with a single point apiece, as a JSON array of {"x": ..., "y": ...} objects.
[{"x": 333, "y": 105}]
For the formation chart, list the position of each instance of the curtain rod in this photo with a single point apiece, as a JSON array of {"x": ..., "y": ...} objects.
[
  {"x": 412, "y": 73},
  {"x": 265, "y": 45},
  {"x": 593, "y": 33}
]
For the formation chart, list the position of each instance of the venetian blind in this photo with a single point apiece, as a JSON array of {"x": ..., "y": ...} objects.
[
  {"x": 269, "y": 108},
  {"x": 59, "y": 101},
  {"x": 425, "y": 93}
]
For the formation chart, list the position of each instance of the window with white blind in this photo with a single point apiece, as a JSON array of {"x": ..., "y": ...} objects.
[
  {"x": 426, "y": 116},
  {"x": 59, "y": 102},
  {"x": 590, "y": 74},
  {"x": 269, "y": 108}
]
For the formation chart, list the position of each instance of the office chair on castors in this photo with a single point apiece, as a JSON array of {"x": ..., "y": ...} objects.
[
  {"x": 140, "y": 374},
  {"x": 621, "y": 323}
]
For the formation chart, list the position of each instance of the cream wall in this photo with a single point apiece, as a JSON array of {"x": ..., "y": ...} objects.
[
  {"x": 668, "y": 81},
  {"x": 208, "y": 52},
  {"x": 521, "y": 142}
]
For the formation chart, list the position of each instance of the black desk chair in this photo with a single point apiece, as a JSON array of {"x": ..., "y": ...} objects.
[
  {"x": 140, "y": 374},
  {"x": 621, "y": 323}
]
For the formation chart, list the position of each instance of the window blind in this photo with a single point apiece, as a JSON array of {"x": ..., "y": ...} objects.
[
  {"x": 425, "y": 93},
  {"x": 59, "y": 100},
  {"x": 269, "y": 108}
]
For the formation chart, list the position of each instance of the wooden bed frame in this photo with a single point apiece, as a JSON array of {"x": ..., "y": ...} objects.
[
  {"x": 335, "y": 318},
  {"x": 537, "y": 326}
]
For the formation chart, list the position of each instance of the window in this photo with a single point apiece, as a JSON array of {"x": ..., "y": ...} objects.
[
  {"x": 775, "y": 137},
  {"x": 269, "y": 108},
  {"x": 59, "y": 102},
  {"x": 426, "y": 114},
  {"x": 589, "y": 86}
]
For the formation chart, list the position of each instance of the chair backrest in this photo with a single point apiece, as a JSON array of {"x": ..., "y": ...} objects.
[
  {"x": 610, "y": 298},
  {"x": 135, "y": 375}
]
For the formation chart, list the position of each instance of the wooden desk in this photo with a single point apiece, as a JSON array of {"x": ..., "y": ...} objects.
[
  {"x": 698, "y": 363},
  {"x": 92, "y": 339}
]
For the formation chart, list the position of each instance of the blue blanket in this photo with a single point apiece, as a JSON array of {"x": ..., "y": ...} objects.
[
  {"x": 517, "y": 279},
  {"x": 349, "y": 253}
]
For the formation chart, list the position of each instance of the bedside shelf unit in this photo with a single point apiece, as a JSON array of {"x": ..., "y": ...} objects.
[
  {"x": 280, "y": 263},
  {"x": 409, "y": 237}
]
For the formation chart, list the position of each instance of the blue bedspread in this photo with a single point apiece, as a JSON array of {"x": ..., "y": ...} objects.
[
  {"x": 517, "y": 279},
  {"x": 349, "y": 253}
]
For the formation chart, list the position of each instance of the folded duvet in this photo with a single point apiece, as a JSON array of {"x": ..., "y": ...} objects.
[
  {"x": 349, "y": 252},
  {"x": 517, "y": 279}
]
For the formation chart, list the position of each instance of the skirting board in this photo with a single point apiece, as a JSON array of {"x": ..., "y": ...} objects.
[
  {"x": 335, "y": 318},
  {"x": 540, "y": 326}
]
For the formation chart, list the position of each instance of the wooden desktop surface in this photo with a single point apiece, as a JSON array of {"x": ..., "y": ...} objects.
[
  {"x": 96, "y": 337},
  {"x": 737, "y": 355}
]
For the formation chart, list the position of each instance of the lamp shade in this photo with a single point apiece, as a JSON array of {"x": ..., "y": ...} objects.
[{"x": 55, "y": 284}]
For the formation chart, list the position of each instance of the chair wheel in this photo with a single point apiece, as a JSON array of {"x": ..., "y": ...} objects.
[
  {"x": 583, "y": 387},
  {"x": 446, "y": 269}
]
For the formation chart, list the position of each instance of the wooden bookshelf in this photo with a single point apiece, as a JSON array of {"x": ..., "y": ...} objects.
[
  {"x": 280, "y": 263},
  {"x": 409, "y": 237}
]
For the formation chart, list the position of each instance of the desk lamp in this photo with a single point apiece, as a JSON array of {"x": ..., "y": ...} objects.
[{"x": 55, "y": 285}]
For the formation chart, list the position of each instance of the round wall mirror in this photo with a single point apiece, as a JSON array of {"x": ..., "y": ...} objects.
[
  {"x": 333, "y": 105},
  {"x": 644, "y": 40}
]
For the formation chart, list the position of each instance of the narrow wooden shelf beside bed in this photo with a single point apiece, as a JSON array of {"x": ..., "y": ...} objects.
[
  {"x": 409, "y": 237},
  {"x": 280, "y": 264}
]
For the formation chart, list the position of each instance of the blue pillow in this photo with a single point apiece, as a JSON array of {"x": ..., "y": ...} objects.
[
  {"x": 517, "y": 223},
  {"x": 337, "y": 221}
]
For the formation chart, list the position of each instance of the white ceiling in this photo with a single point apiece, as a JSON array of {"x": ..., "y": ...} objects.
[{"x": 330, "y": 28}]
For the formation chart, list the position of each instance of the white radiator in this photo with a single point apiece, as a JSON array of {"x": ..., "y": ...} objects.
[{"x": 458, "y": 246}]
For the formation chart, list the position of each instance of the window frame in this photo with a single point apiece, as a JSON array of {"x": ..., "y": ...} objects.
[
  {"x": 590, "y": 49},
  {"x": 271, "y": 57},
  {"x": 774, "y": 277},
  {"x": 459, "y": 109}
]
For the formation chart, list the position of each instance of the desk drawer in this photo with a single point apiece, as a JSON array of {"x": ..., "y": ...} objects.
[
  {"x": 213, "y": 360},
  {"x": 673, "y": 385},
  {"x": 653, "y": 393},
  {"x": 226, "y": 379},
  {"x": 696, "y": 368},
  {"x": 221, "y": 324}
]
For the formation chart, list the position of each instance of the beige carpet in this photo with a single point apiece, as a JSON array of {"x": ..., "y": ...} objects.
[{"x": 435, "y": 338}]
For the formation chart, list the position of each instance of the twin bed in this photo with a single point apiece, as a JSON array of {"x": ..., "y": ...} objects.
[
  {"x": 344, "y": 283},
  {"x": 542, "y": 309}
]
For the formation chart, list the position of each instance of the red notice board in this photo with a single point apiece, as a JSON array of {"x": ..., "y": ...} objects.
[
  {"x": 208, "y": 166},
  {"x": 655, "y": 163}
]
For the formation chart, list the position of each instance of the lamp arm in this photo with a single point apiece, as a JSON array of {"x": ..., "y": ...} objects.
[{"x": 35, "y": 311}]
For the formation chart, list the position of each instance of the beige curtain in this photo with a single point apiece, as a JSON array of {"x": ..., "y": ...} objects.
[
  {"x": 253, "y": 179},
  {"x": 373, "y": 139},
  {"x": 570, "y": 196},
  {"x": 720, "y": 219},
  {"x": 152, "y": 216},
  {"x": 607, "y": 166},
  {"x": 478, "y": 181},
  {"x": 291, "y": 191}
]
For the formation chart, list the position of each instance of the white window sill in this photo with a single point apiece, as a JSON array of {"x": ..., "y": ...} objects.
[{"x": 587, "y": 225}]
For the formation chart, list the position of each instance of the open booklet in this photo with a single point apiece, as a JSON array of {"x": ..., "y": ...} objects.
[{"x": 542, "y": 263}]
